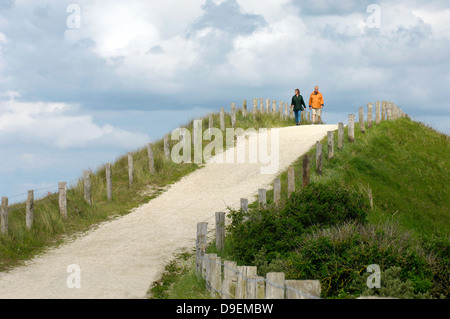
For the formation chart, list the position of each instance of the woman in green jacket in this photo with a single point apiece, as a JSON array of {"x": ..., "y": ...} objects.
[{"x": 298, "y": 104}]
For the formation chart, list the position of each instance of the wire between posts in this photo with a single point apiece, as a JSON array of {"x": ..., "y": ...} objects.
[{"x": 205, "y": 257}]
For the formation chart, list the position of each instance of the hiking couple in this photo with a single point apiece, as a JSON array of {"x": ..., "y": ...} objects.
[{"x": 316, "y": 104}]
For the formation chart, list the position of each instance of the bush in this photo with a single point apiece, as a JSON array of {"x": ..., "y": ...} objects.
[
  {"x": 339, "y": 256},
  {"x": 278, "y": 230}
]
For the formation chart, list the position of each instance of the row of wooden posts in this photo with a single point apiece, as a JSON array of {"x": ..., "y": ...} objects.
[
  {"x": 227, "y": 280},
  {"x": 384, "y": 111},
  {"x": 62, "y": 186}
]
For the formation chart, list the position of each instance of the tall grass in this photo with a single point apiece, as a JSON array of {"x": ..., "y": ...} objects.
[{"x": 51, "y": 229}]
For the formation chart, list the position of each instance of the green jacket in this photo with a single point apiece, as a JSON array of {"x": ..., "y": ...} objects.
[{"x": 298, "y": 103}]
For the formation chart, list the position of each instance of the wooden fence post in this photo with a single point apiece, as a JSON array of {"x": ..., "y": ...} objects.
[
  {"x": 87, "y": 187},
  {"x": 229, "y": 280},
  {"x": 277, "y": 191},
  {"x": 222, "y": 119},
  {"x": 220, "y": 231},
  {"x": 201, "y": 242},
  {"x": 4, "y": 217},
  {"x": 215, "y": 276},
  {"x": 281, "y": 110},
  {"x": 369, "y": 115},
  {"x": 303, "y": 289},
  {"x": 330, "y": 137},
  {"x": 250, "y": 282},
  {"x": 377, "y": 112},
  {"x": 262, "y": 200},
  {"x": 233, "y": 114},
  {"x": 275, "y": 285},
  {"x": 340, "y": 135},
  {"x": 383, "y": 110},
  {"x": 62, "y": 186},
  {"x": 30, "y": 210},
  {"x": 255, "y": 108},
  {"x": 351, "y": 128},
  {"x": 244, "y": 108},
  {"x": 274, "y": 106},
  {"x": 151, "y": 158},
  {"x": 130, "y": 170},
  {"x": 291, "y": 180},
  {"x": 319, "y": 158},
  {"x": 210, "y": 124},
  {"x": 166, "y": 147},
  {"x": 108, "y": 182},
  {"x": 306, "y": 175},
  {"x": 362, "y": 125}
]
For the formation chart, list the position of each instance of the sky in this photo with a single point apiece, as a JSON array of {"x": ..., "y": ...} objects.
[{"x": 82, "y": 82}]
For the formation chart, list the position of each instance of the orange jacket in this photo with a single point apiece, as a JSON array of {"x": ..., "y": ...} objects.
[{"x": 316, "y": 100}]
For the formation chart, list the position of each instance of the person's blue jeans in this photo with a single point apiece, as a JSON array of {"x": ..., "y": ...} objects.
[{"x": 297, "y": 116}]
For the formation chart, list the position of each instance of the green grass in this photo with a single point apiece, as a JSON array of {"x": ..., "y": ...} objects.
[
  {"x": 50, "y": 229},
  {"x": 406, "y": 167}
]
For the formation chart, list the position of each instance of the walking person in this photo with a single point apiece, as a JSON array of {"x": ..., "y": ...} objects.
[
  {"x": 316, "y": 103},
  {"x": 298, "y": 104}
]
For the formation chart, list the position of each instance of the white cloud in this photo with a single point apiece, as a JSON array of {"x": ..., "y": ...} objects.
[
  {"x": 437, "y": 19},
  {"x": 58, "y": 125}
]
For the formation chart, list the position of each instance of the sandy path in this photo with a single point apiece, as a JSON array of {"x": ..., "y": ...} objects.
[{"x": 121, "y": 258}]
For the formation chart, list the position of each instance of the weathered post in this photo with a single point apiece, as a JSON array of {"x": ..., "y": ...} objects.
[
  {"x": 87, "y": 187},
  {"x": 229, "y": 279},
  {"x": 222, "y": 119},
  {"x": 275, "y": 285},
  {"x": 351, "y": 128},
  {"x": 30, "y": 210},
  {"x": 262, "y": 199},
  {"x": 202, "y": 229},
  {"x": 220, "y": 231},
  {"x": 369, "y": 115},
  {"x": 330, "y": 138},
  {"x": 4, "y": 217},
  {"x": 130, "y": 169},
  {"x": 108, "y": 182},
  {"x": 210, "y": 124},
  {"x": 377, "y": 113},
  {"x": 319, "y": 158},
  {"x": 255, "y": 108},
  {"x": 306, "y": 174},
  {"x": 383, "y": 110},
  {"x": 362, "y": 125},
  {"x": 151, "y": 158},
  {"x": 62, "y": 186},
  {"x": 244, "y": 205},
  {"x": 244, "y": 108},
  {"x": 166, "y": 147},
  {"x": 277, "y": 191},
  {"x": 233, "y": 114},
  {"x": 303, "y": 289},
  {"x": 291, "y": 180},
  {"x": 340, "y": 135}
]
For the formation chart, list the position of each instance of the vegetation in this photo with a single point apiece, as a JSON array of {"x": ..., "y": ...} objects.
[
  {"x": 329, "y": 231},
  {"x": 51, "y": 229}
]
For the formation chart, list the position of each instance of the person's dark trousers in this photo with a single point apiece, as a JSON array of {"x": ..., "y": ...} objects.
[{"x": 297, "y": 116}]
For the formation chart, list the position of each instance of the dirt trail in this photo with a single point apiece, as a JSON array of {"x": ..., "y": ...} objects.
[{"x": 121, "y": 258}]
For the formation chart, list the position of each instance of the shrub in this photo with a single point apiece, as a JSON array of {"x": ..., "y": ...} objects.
[
  {"x": 339, "y": 255},
  {"x": 277, "y": 230}
]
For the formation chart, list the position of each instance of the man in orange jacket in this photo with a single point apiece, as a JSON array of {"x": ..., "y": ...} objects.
[{"x": 316, "y": 103}]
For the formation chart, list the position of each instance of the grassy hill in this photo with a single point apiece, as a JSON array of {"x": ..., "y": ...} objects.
[
  {"x": 329, "y": 231},
  {"x": 50, "y": 229}
]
